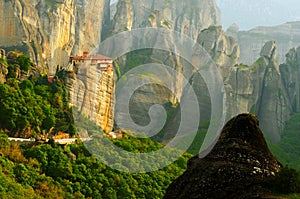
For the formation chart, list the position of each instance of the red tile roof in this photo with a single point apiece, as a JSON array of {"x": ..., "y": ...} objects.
[{"x": 86, "y": 56}]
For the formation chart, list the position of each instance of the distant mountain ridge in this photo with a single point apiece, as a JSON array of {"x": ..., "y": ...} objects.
[{"x": 286, "y": 36}]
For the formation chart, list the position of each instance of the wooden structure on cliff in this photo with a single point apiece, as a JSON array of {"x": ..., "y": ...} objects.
[{"x": 92, "y": 88}]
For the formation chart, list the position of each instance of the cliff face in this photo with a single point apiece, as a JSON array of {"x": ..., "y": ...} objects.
[
  {"x": 223, "y": 49},
  {"x": 21, "y": 28},
  {"x": 238, "y": 166},
  {"x": 50, "y": 30},
  {"x": 92, "y": 17},
  {"x": 259, "y": 89},
  {"x": 290, "y": 72},
  {"x": 263, "y": 87},
  {"x": 187, "y": 18},
  {"x": 91, "y": 91}
]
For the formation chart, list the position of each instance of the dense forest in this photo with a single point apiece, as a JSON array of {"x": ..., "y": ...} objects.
[
  {"x": 288, "y": 149},
  {"x": 32, "y": 106}
]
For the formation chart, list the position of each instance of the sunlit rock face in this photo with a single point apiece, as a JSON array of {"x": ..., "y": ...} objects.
[
  {"x": 91, "y": 88},
  {"x": 237, "y": 167},
  {"x": 49, "y": 31},
  {"x": 189, "y": 18}
]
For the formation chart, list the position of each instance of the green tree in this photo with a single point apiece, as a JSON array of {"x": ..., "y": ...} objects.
[{"x": 24, "y": 62}]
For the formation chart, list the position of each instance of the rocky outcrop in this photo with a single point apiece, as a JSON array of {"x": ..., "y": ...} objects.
[
  {"x": 22, "y": 29},
  {"x": 223, "y": 49},
  {"x": 290, "y": 74},
  {"x": 123, "y": 17},
  {"x": 238, "y": 166},
  {"x": 91, "y": 92},
  {"x": 92, "y": 17},
  {"x": 49, "y": 31},
  {"x": 187, "y": 18},
  {"x": 259, "y": 89},
  {"x": 272, "y": 107},
  {"x": 3, "y": 72},
  {"x": 3, "y": 67}
]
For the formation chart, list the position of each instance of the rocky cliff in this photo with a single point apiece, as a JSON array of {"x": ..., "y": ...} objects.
[
  {"x": 49, "y": 31},
  {"x": 238, "y": 166},
  {"x": 260, "y": 89},
  {"x": 187, "y": 18},
  {"x": 91, "y": 93},
  {"x": 223, "y": 49},
  {"x": 290, "y": 73}
]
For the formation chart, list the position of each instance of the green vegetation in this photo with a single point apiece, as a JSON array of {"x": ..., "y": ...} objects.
[
  {"x": 257, "y": 64},
  {"x": 24, "y": 62},
  {"x": 242, "y": 66},
  {"x": 46, "y": 171},
  {"x": 30, "y": 105},
  {"x": 3, "y": 61},
  {"x": 288, "y": 149},
  {"x": 166, "y": 24},
  {"x": 136, "y": 58},
  {"x": 199, "y": 138},
  {"x": 151, "y": 17},
  {"x": 52, "y": 4},
  {"x": 286, "y": 183}
]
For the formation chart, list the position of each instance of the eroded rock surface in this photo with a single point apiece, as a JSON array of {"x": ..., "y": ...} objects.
[
  {"x": 238, "y": 166},
  {"x": 49, "y": 31}
]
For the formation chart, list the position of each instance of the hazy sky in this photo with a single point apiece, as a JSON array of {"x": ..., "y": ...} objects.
[{"x": 250, "y": 13}]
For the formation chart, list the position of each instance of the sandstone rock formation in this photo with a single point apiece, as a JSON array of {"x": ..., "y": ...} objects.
[
  {"x": 257, "y": 88},
  {"x": 21, "y": 28},
  {"x": 3, "y": 73},
  {"x": 187, "y": 18},
  {"x": 272, "y": 107},
  {"x": 238, "y": 165},
  {"x": 3, "y": 67},
  {"x": 49, "y": 31},
  {"x": 91, "y": 93}
]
